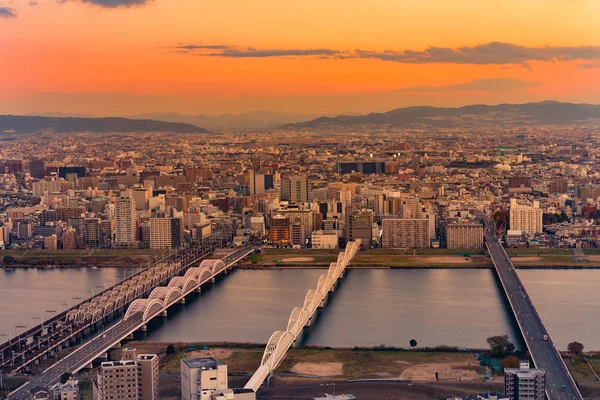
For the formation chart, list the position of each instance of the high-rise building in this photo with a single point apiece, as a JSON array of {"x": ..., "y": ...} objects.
[
  {"x": 587, "y": 191},
  {"x": 358, "y": 225},
  {"x": 294, "y": 188},
  {"x": 304, "y": 217},
  {"x": 36, "y": 169},
  {"x": 125, "y": 226},
  {"x": 464, "y": 236},
  {"x": 279, "y": 229},
  {"x": 132, "y": 378},
  {"x": 524, "y": 383},
  {"x": 166, "y": 233},
  {"x": 148, "y": 377},
  {"x": 526, "y": 219},
  {"x": 405, "y": 233},
  {"x": 91, "y": 232},
  {"x": 201, "y": 377}
]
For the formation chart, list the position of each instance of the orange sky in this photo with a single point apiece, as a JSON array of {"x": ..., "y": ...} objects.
[{"x": 82, "y": 57}]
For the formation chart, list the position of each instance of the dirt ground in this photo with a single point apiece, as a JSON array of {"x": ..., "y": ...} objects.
[
  {"x": 318, "y": 369},
  {"x": 527, "y": 259},
  {"x": 297, "y": 259},
  {"x": 469, "y": 371},
  {"x": 444, "y": 260}
]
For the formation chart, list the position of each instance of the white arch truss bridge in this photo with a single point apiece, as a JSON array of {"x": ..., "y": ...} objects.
[{"x": 281, "y": 341}]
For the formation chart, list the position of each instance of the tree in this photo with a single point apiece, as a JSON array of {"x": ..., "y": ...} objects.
[
  {"x": 500, "y": 346},
  {"x": 510, "y": 362},
  {"x": 575, "y": 348},
  {"x": 170, "y": 349},
  {"x": 9, "y": 260},
  {"x": 413, "y": 343},
  {"x": 65, "y": 377}
]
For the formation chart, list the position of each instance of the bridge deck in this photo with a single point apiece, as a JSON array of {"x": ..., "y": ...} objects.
[
  {"x": 105, "y": 340},
  {"x": 543, "y": 352}
]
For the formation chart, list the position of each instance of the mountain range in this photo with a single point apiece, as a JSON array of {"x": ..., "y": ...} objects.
[
  {"x": 501, "y": 115},
  {"x": 32, "y": 124}
]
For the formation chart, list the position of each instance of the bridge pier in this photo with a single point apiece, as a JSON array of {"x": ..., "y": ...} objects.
[
  {"x": 144, "y": 328},
  {"x": 213, "y": 280},
  {"x": 117, "y": 345},
  {"x": 129, "y": 337},
  {"x": 163, "y": 314},
  {"x": 181, "y": 301},
  {"x": 198, "y": 290}
]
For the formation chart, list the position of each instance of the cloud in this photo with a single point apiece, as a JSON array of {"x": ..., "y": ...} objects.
[
  {"x": 493, "y": 53},
  {"x": 594, "y": 64},
  {"x": 217, "y": 50},
  {"x": 477, "y": 85},
  {"x": 112, "y": 3},
  {"x": 7, "y": 12}
]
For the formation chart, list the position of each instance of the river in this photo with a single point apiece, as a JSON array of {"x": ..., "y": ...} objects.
[{"x": 371, "y": 307}]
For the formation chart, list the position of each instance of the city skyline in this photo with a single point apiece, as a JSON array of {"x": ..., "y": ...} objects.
[{"x": 123, "y": 57}]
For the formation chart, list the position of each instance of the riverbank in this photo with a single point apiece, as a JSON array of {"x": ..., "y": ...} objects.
[
  {"x": 422, "y": 258},
  {"x": 316, "y": 365},
  {"x": 316, "y": 258},
  {"x": 79, "y": 258}
]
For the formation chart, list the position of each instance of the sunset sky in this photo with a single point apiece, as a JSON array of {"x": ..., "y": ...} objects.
[{"x": 122, "y": 57}]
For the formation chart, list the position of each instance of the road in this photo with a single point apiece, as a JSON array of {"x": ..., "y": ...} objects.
[
  {"x": 543, "y": 352},
  {"x": 101, "y": 343}
]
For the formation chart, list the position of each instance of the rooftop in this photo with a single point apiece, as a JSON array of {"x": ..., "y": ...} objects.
[{"x": 202, "y": 362}]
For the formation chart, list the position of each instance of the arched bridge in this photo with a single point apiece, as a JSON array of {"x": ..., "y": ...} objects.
[{"x": 281, "y": 341}]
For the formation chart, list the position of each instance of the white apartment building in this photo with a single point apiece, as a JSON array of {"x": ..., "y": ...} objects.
[{"x": 525, "y": 218}]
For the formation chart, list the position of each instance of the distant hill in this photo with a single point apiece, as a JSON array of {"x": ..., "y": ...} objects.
[
  {"x": 502, "y": 115},
  {"x": 250, "y": 120},
  {"x": 32, "y": 124}
]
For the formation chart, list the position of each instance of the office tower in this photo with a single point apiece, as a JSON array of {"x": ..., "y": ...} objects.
[
  {"x": 358, "y": 225},
  {"x": 36, "y": 169},
  {"x": 526, "y": 219},
  {"x": 325, "y": 239},
  {"x": 279, "y": 229},
  {"x": 464, "y": 236},
  {"x": 141, "y": 196},
  {"x": 80, "y": 171},
  {"x": 405, "y": 233},
  {"x": 294, "y": 188},
  {"x": 524, "y": 383},
  {"x": 125, "y": 226},
  {"x": 201, "y": 377},
  {"x": 304, "y": 217},
  {"x": 363, "y": 167},
  {"x": 166, "y": 233}
]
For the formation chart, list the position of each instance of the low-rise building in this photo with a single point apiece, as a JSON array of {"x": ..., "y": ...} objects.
[
  {"x": 325, "y": 239},
  {"x": 201, "y": 377}
]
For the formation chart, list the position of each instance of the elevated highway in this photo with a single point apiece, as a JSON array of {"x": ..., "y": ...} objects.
[
  {"x": 544, "y": 353},
  {"x": 139, "y": 312}
]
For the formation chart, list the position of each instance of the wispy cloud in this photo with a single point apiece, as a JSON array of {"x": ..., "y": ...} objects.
[
  {"x": 477, "y": 85},
  {"x": 111, "y": 3},
  {"x": 493, "y": 53},
  {"x": 7, "y": 12},
  {"x": 589, "y": 65}
]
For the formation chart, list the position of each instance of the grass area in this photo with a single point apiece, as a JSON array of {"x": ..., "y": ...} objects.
[
  {"x": 82, "y": 253},
  {"x": 581, "y": 371},
  {"x": 356, "y": 364},
  {"x": 538, "y": 251}
]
